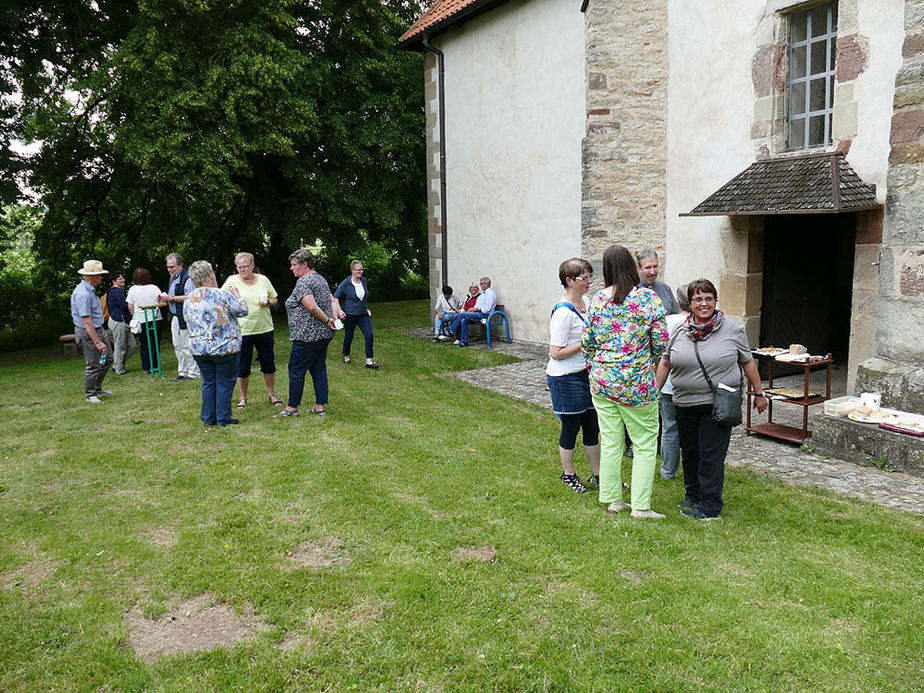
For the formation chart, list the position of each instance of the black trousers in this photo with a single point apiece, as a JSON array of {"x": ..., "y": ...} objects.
[{"x": 704, "y": 445}]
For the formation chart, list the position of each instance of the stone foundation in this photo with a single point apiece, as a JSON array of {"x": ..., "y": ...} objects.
[{"x": 863, "y": 443}]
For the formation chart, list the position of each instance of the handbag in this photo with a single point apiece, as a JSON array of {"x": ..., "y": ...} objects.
[{"x": 726, "y": 404}]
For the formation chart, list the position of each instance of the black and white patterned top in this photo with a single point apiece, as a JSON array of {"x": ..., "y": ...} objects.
[{"x": 303, "y": 326}]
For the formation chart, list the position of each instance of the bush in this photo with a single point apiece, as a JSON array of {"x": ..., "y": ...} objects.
[{"x": 389, "y": 278}]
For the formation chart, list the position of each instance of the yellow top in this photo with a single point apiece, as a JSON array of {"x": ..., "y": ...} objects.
[{"x": 259, "y": 319}]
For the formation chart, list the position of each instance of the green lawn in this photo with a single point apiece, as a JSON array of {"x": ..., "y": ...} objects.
[{"x": 458, "y": 560}]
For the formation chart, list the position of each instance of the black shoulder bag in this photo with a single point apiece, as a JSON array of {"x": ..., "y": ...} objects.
[{"x": 726, "y": 404}]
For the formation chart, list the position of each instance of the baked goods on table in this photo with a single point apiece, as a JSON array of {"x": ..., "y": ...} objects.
[{"x": 869, "y": 415}]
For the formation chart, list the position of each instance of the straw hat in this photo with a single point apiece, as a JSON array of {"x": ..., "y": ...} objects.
[{"x": 92, "y": 267}]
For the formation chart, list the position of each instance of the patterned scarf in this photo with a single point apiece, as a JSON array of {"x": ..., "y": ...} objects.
[{"x": 699, "y": 332}]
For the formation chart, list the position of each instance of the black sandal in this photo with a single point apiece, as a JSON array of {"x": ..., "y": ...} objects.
[{"x": 574, "y": 483}]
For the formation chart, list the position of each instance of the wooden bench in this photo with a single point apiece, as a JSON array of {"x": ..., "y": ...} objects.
[{"x": 71, "y": 338}]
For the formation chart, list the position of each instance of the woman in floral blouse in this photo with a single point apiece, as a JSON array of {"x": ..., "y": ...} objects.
[
  {"x": 623, "y": 340},
  {"x": 214, "y": 340}
]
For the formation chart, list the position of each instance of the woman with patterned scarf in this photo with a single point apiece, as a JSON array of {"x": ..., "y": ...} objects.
[{"x": 722, "y": 347}]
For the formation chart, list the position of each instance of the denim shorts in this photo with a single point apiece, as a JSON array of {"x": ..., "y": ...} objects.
[{"x": 570, "y": 392}]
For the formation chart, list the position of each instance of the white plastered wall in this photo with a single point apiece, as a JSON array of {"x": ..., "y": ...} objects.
[
  {"x": 514, "y": 124},
  {"x": 711, "y": 107}
]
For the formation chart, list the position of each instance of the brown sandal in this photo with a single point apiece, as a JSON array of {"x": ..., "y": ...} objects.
[{"x": 275, "y": 401}]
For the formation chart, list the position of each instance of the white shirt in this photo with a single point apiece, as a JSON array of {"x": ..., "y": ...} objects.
[
  {"x": 358, "y": 286},
  {"x": 143, "y": 295},
  {"x": 565, "y": 328},
  {"x": 486, "y": 301}
]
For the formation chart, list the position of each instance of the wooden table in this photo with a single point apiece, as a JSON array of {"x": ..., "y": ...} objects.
[{"x": 782, "y": 431}]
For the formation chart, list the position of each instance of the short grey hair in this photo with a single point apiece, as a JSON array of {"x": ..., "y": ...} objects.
[
  {"x": 303, "y": 256},
  {"x": 486, "y": 280},
  {"x": 176, "y": 257},
  {"x": 200, "y": 272},
  {"x": 682, "y": 299},
  {"x": 646, "y": 254}
]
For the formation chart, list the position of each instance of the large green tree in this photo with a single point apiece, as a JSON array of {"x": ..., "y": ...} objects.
[{"x": 211, "y": 126}]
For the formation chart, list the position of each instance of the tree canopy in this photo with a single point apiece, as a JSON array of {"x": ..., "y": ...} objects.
[{"x": 211, "y": 126}]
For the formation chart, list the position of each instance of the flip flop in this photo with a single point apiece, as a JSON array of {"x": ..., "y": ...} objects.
[
  {"x": 275, "y": 401},
  {"x": 242, "y": 402}
]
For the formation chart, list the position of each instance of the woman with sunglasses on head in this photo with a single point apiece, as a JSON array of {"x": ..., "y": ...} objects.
[
  {"x": 623, "y": 340},
  {"x": 567, "y": 377},
  {"x": 709, "y": 342}
]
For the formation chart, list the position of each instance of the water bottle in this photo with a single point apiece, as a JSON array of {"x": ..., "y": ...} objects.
[{"x": 102, "y": 358}]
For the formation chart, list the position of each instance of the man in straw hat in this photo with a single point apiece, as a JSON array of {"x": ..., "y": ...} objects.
[{"x": 92, "y": 338}]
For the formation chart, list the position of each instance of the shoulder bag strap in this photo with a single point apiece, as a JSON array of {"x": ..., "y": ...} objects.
[
  {"x": 574, "y": 310},
  {"x": 705, "y": 374}
]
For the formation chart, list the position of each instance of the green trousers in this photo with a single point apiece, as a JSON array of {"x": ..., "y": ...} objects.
[{"x": 642, "y": 425}]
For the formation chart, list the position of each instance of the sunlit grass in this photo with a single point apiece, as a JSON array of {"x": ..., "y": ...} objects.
[{"x": 462, "y": 562}]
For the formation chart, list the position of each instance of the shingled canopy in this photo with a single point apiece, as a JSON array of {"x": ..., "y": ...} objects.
[{"x": 813, "y": 184}]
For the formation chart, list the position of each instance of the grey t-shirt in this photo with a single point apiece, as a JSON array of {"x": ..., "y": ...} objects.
[
  {"x": 665, "y": 294},
  {"x": 721, "y": 353}
]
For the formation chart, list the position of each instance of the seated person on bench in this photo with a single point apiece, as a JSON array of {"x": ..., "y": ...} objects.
[
  {"x": 446, "y": 308},
  {"x": 483, "y": 307}
]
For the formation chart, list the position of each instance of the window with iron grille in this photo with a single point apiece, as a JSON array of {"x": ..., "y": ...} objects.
[{"x": 812, "y": 39}]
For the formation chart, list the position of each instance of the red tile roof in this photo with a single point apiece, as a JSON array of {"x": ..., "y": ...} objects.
[{"x": 440, "y": 13}]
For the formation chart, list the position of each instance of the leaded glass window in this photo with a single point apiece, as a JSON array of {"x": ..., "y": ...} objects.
[{"x": 812, "y": 42}]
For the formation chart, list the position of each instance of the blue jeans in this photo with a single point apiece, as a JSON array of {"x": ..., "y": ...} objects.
[
  {"x": 365, "y": 326},
  {"x": 461, "y": 322},
  {"x": 308, "y": 357},
  {"x": 670, "y": 438},
  {"x": 441, "y": 325},
  {"x": 219, "y": 374}
]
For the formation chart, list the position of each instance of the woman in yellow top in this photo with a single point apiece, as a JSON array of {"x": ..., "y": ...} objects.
[{"x": 257, "y": 326}]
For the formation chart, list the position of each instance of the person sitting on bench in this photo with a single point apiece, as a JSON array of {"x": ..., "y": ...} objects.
[{"x": 483, "y": 307}]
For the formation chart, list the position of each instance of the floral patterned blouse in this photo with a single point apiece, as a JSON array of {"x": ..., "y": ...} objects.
[
  {"x": 211, "y": 315},
  {"x": 622, "y": 344}
]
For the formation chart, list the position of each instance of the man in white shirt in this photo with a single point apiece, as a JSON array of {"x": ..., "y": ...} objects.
[{"x": 483, "y": 306}]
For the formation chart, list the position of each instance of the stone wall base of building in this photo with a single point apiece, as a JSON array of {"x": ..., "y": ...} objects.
[
  {"x": 867, "y": 445},
  {"x": 901, "y": 385}
]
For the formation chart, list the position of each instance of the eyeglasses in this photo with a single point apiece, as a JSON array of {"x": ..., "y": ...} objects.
[
  {"x": 703, "y": 299},
  {"x": 585, "y": 278}
]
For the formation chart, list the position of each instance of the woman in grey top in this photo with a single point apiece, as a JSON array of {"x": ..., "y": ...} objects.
[
  {"x": 722, "y": 346},
  {"x": 312, "y": 311}
]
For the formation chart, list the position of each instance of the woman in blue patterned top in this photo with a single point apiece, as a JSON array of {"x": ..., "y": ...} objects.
[
  {"x": 312, "y": 311},
  {"x": 215, "y": 340}
]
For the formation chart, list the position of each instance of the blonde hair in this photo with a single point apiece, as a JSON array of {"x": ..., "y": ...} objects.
[
  {"x": 354, "y": 263},
  {"x": 244, "y": 256}
]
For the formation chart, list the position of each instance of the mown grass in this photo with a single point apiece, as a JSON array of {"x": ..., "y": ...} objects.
[{"x": 134, "y": 505}]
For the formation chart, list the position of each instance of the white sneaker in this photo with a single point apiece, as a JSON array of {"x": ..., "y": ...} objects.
[
  {"x": 647, "y": 515},
  {"x": 442, "y": 338},
  {"x": 617, "y": 506},
  {"x": 93, "y": 399},
  {"x": 457, "y": 342},
  {"x": 104, "y": 393}
]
